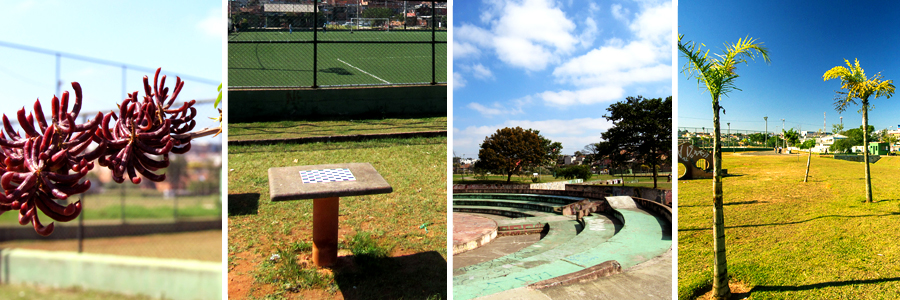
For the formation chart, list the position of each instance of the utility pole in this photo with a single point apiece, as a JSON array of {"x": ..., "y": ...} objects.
[
  {"x": 783, "y": 141},
  {"x": 729, "y": 133}
]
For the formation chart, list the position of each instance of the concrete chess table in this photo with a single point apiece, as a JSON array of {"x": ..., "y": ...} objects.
[{"x": 325, "y": 184}]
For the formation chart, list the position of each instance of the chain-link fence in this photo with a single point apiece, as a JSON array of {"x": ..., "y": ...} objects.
[
  {"x": 337, "y": 44},
  {"x": 703, "y": 137}
]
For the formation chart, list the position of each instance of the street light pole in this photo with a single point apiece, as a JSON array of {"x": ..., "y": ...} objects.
[
  {"x": 729, "y": 135},
  {"x": 766, "y": 142},
  {"x": 783, "y": 136}
]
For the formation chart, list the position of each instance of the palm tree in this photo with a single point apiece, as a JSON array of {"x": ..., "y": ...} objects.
[
  {"x": 717, "y": 76},
  {"x": 859, "y": 87}
]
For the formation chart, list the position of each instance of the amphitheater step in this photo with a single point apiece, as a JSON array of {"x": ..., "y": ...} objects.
[
  {"x": 640, "y": 239},
  {"x": 549, "y": 199},
  {"x": 524, "y": 204},
  {"x": 511, "y": 212}
]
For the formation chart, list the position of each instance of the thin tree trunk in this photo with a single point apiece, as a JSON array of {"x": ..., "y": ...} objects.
[
  {"x": 865, "y": 107},
  {"x": 721, "y": 290},
  {"x": 808, "y": 158},
  {"x": 655, "y": 173}
]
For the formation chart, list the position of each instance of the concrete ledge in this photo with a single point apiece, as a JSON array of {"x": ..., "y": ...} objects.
[
  {"x": 607, "y": 268},
  {"x": 367, "y": 102},
  {"x": 159, "y": 278},
  {"x": 470, "y": 232}
]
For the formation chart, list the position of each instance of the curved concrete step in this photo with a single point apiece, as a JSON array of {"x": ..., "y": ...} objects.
[
  {"x": 523, "y": 204},
  {"x": 549, "y": 199},
  {"x": 640, "y": 239}
]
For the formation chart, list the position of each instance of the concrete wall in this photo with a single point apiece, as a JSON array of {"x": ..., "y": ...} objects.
[
  {"x": 158, "y": 278},
  {"x": 369, "y": 102},
  {"x": 559, "y": 185},
  {"x": 656, "y": 195}
]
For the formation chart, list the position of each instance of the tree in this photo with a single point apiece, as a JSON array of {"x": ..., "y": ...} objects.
[
  {"x": 717, "y": 76},
  {"x": 858, "y": 87},
  {"x": 792, "y": 137},
  {"x": 641, "y": 131},
  {"x": 837, "y": 128},
  {"x": 808, "y": 144},
  {"x": 510, "y": 149}
]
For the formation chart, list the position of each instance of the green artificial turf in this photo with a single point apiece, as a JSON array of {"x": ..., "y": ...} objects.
[{"x": 339, "y": 64}]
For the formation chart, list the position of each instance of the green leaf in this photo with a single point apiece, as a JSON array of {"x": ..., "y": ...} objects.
[{"x": 219, "y": 98}]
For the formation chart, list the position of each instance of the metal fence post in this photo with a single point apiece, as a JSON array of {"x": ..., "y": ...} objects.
[
  {"x": 81, "y": 225},
  {"x": 433, "y": 28},
  {"x": 315, "y": 44}
]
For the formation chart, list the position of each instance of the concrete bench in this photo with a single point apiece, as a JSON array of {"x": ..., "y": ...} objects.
[{"x": 325, "y": 184}]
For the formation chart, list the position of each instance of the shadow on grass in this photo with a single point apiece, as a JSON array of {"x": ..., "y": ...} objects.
[
  {"x": 728, "y": 204},
  {"x": 243, "y": 204},
  {"x": 416, "y": 276},
  {"x": 791, "y": 288},
  {"x": 792, "y": 223}
]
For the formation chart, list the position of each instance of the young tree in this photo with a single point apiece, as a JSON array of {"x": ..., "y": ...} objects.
[
  {"x": 509, "y": 150},
  {"x": 717, "y": 76},
  {"x": 642, "y": 130},
  {"x": 858, "y": 87}
]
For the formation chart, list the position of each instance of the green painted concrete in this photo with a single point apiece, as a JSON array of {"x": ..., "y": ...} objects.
[
  {"x": 159, "y": 278},
  {"x": 525, "y": 197},
  {"x": 640, "y": 239},
  {"x": 533, "y": 205}
]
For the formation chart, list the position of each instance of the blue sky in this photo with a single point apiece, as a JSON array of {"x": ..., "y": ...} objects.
[
  {"x": 554, "y": 66},
  {"x": 180, "y": 36},
  {"x": 804, "y": 42}
]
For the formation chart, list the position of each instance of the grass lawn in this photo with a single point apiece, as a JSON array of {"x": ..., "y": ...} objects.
[
  {"x": 298, "y": 129},
  {"x": 108, "y": 206},
  {"x": 787, "y": 239},
  {"x": 393, "y": 255},
  {"x": 282, "y": 64}
]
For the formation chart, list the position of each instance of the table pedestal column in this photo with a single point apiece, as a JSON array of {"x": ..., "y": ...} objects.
[{"x": 325, "y": 231}]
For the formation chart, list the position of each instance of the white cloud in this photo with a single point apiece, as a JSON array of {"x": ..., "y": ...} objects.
[
  {"x": 593, "y": 95},
  {"x": 510, "y": 108},
  {"x": 458, "y": 81},
  {"x": 573, "y": 134},
  {"x": 528, "y": 34},
  {"x": 654, "y": 23},
  {"x": 604, "y": 72},
  {"x": 213, "y": 25},
  {"x": 619, "y": 13},
  {"x": 463, "y": 50},
  {"x": 481, "y": 72}
]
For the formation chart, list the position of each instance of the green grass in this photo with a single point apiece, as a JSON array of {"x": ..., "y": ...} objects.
[
  {"x": 108, "y": 206},
  {"x": 298, "y": 129},
  {"x": 272, "y": 65},
  {"x": 415, "y": 168},
  {"x": 787, "y": 239},
  {"x": 27, "y": 292}
]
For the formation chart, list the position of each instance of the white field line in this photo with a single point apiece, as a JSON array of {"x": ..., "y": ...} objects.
[{"x": 367, "y": 73}]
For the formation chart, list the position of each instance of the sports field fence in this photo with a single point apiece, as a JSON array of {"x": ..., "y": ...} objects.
[{"x": 331, "y": 44}]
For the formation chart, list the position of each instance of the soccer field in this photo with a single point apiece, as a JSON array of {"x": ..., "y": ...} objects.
[{"x": 291, "y": 64}]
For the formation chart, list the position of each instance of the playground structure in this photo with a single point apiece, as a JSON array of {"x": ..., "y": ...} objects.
[
  {"x": 586, "y": 235},
  {"x": 697, "y": 162}
]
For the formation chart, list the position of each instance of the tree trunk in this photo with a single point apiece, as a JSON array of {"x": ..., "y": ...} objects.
[
  {"x": 808, "y": 158},
  {"x": 865, "y": 107},
  {"x": 655, "y": 174},
  {"x": 721, "y": 290}
]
